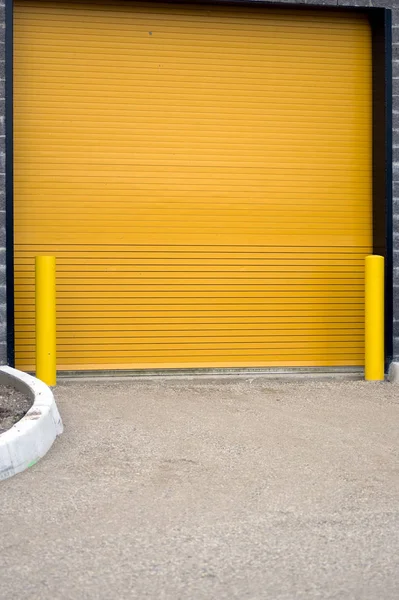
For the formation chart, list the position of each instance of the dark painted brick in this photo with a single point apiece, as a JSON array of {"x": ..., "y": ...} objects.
[
  {"x": 382, "y": 3},
  {"x": 322, "y": 2},
  {"x": 2, "y": 275},
  {"x": 395, "y": 277},
  {"x": 3, "y": 353},
  {"x": 353, "y": 2},
  {"x": 396, "y": 329},
  {"x": 2, "y": 88},
  {"x": 395, "y": 87},
  {"x": 396, "y": 301}
]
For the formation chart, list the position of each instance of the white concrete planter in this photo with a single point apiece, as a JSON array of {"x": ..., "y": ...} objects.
[{"x": 30, "y": 438}]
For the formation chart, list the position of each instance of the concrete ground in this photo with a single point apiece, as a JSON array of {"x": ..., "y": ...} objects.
[{"x": 210, "y": 489}]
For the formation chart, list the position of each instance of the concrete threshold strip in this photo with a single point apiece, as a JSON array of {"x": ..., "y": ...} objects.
[
  {"x": 28, "y": 440},
  {"x": 283, "y": 374}
]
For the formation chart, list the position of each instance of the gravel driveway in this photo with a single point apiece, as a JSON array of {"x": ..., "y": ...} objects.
[{"x": 210, "y": 489}]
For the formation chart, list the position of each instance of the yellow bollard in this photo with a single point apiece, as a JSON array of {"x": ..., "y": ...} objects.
[
  {"x": 374, "y": 319},
  {"x": 45, "y": 319}
]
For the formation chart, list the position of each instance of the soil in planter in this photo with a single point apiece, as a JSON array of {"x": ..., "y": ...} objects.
[{"x": 13, "y": 406}]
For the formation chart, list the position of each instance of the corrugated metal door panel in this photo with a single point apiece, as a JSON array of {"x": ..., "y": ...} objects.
[{"x": 203, "y": 175}]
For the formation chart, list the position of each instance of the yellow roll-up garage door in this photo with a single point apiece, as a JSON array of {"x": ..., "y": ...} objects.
[{"x": 203, "y": 176}]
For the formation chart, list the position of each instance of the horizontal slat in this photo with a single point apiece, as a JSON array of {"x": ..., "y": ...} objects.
[
  {"x": 190, "y": 363},
  {"x": 228, "y": 199},
  {"x": 105, "y": 263},
  {"x": 72, "y": 337},
  {"x": 123, "y": 141},
  {"x": 126, "y": 115},
  {"x": 209, "y": 291},
  {"x": 94, "y": 351},
  {"x": 197, "y": 341},
  {"x": 150, "y": 319},
  {"x": 202, "y": 214},
  {"x": 213, "y": 251},
  {"x": 83, "y": 266},
  {"x": 121, "y": 9},
  {"x": 250, "y": 232},
  {"x": 60, "y": 133},
  {"x": 300, "y": 23},
  {"x": 159, "y": 45},
  {"x": 35, "y": 238},
  {"x": 189, "y": 277},
  {"x": 126, "y": 305},
  {"x": 202, "y": 164},
  {"x": 179, "y": 74},
  {"x": 176, "y": 328},
  {"x": 262, "y": 57}
]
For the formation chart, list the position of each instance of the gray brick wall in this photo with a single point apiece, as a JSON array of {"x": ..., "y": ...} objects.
[
  {"x": 393, "y": 4},
  {"x": 3, "y": 324}
]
